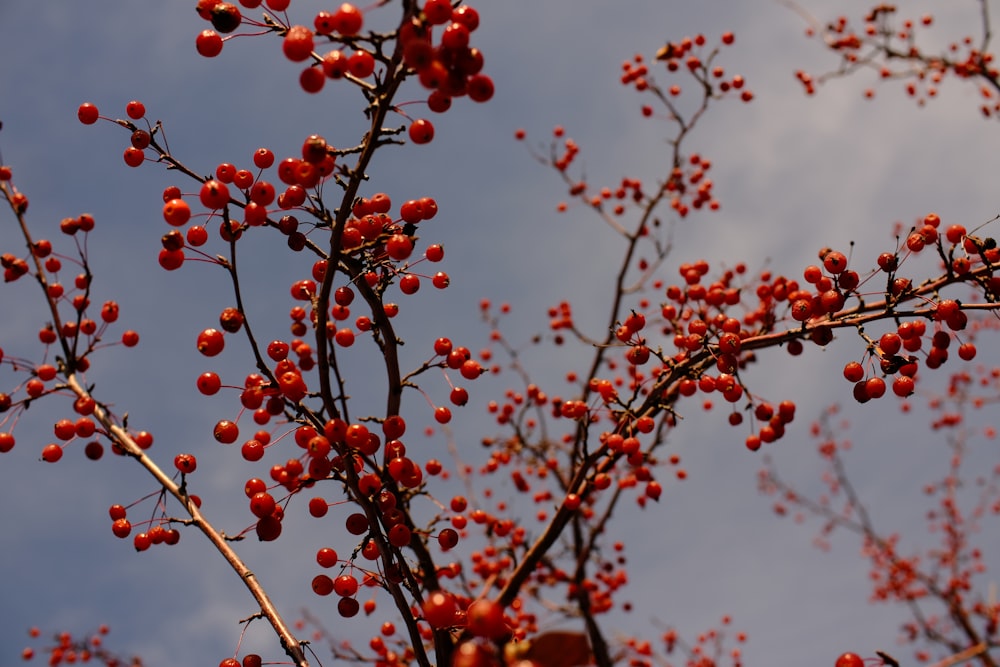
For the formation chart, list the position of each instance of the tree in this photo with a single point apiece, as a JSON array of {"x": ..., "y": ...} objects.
[{"x": 573, "y": 534}]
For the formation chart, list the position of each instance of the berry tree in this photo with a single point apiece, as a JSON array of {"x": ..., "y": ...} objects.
[{"x": 450, "y": 494}]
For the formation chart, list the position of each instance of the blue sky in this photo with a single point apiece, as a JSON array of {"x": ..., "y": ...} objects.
[{"x": 793, "y": 174}]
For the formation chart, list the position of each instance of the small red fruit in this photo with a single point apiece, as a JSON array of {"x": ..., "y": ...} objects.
[
  {"x": 211, "y": 342},
  {"x": 298, "y": 44},
  {"x": 439, "y": 610},
  {"x": 849, "y": 660},
  {"x": 485, "y": 619},
  {"x": 347, "y": 20},
  {"x": 214, "y": 194},
  {"x": 226, "y": 432},
  {"x": 87, "y": 113},
  {"x": 208, "y": 43},
  {"x": 52, "y": 453},
  {"x": 421, "y": 131},
  {"x": 186, "y": 463}
]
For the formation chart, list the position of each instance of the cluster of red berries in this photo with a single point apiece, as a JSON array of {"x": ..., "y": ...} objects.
[
  {"x": 686, "y": 55},
  {"x": 481, "y": 618},
  {"x": 345, "y": 585},
  {"x": 921, "y": 72},
  {"x": 158, "y": 534},
  {"x": 688, "y": 185},
  {"x": 82, "y": 330},
  {"x": 696, "y": 315},
  {"x": 338, "y": 446},
  {"x": 66, "y": 649},
  {"x": 371, "y": 231},
  {"x": 139, "y": 141},
  {"x": 689, "y": 188},
  {"x": 450, "y": 68}
]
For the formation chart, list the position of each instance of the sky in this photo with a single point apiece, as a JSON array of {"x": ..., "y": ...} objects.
[{"x": 793, "y": 174}]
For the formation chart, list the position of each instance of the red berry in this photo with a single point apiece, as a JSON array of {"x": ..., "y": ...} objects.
[
  {"x": 52, "y": 453},
  {"x": 459, "y": 396},
  {"x": 357, "y": 524},
  {"x": 214, "y": 194},
  {"x": 439, "y": 610},
  {"x": 226, "y": 432},
  {"x": 210, "y": 342},
  {"x": 467, "y": 16},
  {"x": 133, "y": 156},
  {"x": 849, "y": 660},
  {"x": 955, "y": 234},
  {"x": 480, "y": 88},
  {"x": 298, "y": 43},
  {"x": 437, "y": 12},
  {"x": 348, "y": 607},
  {"x": 400, "y": 535},
  {"x": 347, "y": 20},
  {"x": 318, "y": 507},
  {"x": 262, "y": 504},
  {"x": 322, "y": 584},
  {"x": 87, "y": 113},
  {"x": 144, "y": 439},
  {"x": 448, "y": 538},
  {"x": 253, "y": 450},
  {"x": 204, "y": 8},
  {"x": 263, "y": 158},
  {"x": 268, "y": 529},
  {"x": 434, "y": 253},
  {"x": 801, "y": 310},
  {"x": 231, "y": 320},
  {"x": 485, "y": 619},
  {"x": 409, "y": 283},
  {"x": 208, "y": 43},
  {"x": 890, "y": 343},
  {"x": 394, "y": 427},
  {"x": 345, "y": 585},
  {"x": 442, "y": 347},
  {"x": 121, "y": 527},
  {"x": 185, "y": 463},
  {"x": 140, "y": 139},
  {"x": 361, "y": 64},
  {"x": 335, "y": 64},
  {"x": 399, "y": 246},
  {"x": 344, "y": 337},
  {"x": 226, "y": 17},
  {"x": 875, "y": 387},
  {"x": 326, "y": 557},
  {"x": 421, "y": 131},
  {"x": 196, "y": 236},
  {"x": 135, "y": 109},
  {"x": 455, "y": 37},
  {"x": 176, "y": 212},
  {"x": 903, "y": 386},
  {"x": 471, "y": 369}
]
